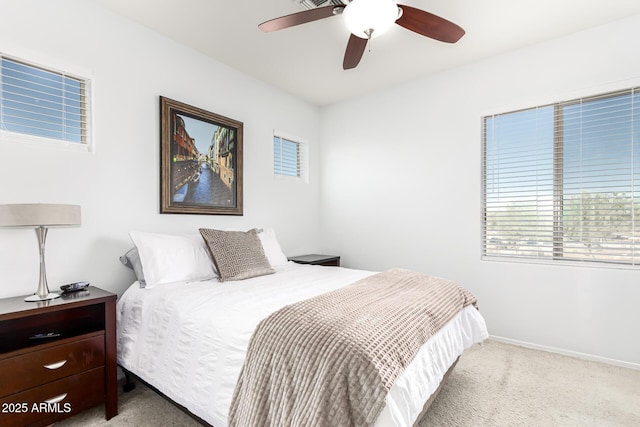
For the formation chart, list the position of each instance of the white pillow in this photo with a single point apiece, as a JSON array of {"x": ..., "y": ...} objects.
[
  {"x": 272, "y": 247},
  {"x": 169, "y": 258}
]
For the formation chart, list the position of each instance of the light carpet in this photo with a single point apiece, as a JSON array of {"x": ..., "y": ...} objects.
[{"x": 495, "y": 384}]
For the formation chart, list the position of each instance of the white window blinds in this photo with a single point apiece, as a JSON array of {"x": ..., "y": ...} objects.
[
  {"x": 561, "y": 181},
  {"x": 287, "y": 157},
  {"x": 43, "y": 103}
]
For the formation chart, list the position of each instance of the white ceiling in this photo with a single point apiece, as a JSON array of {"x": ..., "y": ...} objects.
[{"x": 306, "y": 60}]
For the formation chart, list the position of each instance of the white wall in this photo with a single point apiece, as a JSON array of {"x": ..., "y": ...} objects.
[
  {"x": 117, "y": 185},
  {"x": 401, "y": 187}
]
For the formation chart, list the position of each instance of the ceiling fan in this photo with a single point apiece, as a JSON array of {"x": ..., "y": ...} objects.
[{"x": 367, "y": 19}]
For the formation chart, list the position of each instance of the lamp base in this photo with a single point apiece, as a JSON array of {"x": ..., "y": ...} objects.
[{"x": 36, "y": 297}]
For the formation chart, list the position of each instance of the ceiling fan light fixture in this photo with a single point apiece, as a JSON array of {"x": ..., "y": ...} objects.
[{"x": 370, "y": 18}]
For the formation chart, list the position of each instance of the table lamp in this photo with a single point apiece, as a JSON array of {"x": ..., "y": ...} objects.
[{"x": 41, "y": 216}]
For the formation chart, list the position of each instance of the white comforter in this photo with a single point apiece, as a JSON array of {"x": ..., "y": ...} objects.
[{"x": 189, "y": 339}]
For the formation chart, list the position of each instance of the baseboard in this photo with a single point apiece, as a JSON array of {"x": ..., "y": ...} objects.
[{"x": 567, "y": 352}]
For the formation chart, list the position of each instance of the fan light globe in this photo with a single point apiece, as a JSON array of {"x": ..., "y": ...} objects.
[{"x": 370, "y": 18}]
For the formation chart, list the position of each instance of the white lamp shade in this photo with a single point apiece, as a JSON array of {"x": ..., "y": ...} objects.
[
  {"x": 39, "y": 214},
  {"x": 370, "y": 18}
]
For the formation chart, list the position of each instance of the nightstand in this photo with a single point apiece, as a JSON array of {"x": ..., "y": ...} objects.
[
  {"x": 317, "y": 259},
  {"x": 57, "y": 357}
]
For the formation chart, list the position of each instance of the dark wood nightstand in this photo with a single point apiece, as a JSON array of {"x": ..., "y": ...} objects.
[
  {"x": 317, "y": 259},
  {"x": 57, "y": 357}
]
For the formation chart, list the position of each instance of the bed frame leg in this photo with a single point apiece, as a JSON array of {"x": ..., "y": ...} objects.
[{"x": 128, "y": 382}]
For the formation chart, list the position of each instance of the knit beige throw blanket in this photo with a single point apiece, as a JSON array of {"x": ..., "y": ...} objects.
[{"x": 330, "y": 360}]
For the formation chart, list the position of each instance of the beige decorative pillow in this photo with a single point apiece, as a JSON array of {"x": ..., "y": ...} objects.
[{"x": 237, "y": 254}]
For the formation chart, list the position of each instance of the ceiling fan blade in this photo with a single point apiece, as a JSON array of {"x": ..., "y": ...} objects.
[
  {"x": 354, "y": 52},
  {"x": 299, "y": 18},
  {"x": 429, "y": 25}
]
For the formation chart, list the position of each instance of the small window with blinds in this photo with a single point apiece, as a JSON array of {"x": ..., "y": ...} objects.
[
  {"x": 288, "y": 157},
  {"x": 43, "y": 104},
  {"x": 562, "y": 182}
]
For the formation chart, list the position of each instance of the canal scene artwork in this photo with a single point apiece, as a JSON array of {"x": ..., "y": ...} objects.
[{"x": 201, "y": 154}]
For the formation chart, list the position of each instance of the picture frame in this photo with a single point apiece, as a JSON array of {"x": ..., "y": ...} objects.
[{"x": 200, "y": 161}]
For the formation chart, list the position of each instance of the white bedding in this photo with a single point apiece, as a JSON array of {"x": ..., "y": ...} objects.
[{"x": 189, "y": 339}]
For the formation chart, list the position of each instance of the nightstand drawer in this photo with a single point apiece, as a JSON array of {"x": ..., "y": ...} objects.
[
  {"x": 59, "y": 399},
  {"x": 51, "y": 363}
]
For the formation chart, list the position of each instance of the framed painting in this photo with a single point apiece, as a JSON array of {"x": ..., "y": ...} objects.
[{"x": 200, "y": 161}]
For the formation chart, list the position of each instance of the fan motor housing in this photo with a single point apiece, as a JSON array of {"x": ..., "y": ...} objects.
[{"x": 312, "y": 4}]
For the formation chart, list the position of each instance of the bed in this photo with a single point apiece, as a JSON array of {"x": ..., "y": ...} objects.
[{"x": 189, "y": 338}]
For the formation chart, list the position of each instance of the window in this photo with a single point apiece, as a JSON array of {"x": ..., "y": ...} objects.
[
  {"x": 288, "y": 157},
  {"x": 42, "y": 103},
  {"x": 562, "y": 181}
]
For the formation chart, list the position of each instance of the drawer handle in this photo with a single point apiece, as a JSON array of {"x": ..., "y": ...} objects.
[
  {"x": 56, "y": 365},
  {"x": 56, "y": 399}
]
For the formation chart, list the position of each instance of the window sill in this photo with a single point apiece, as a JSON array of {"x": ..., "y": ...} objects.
[
  {"x": 45, "y": 143},
  {"x": 561, "y": 263}
]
